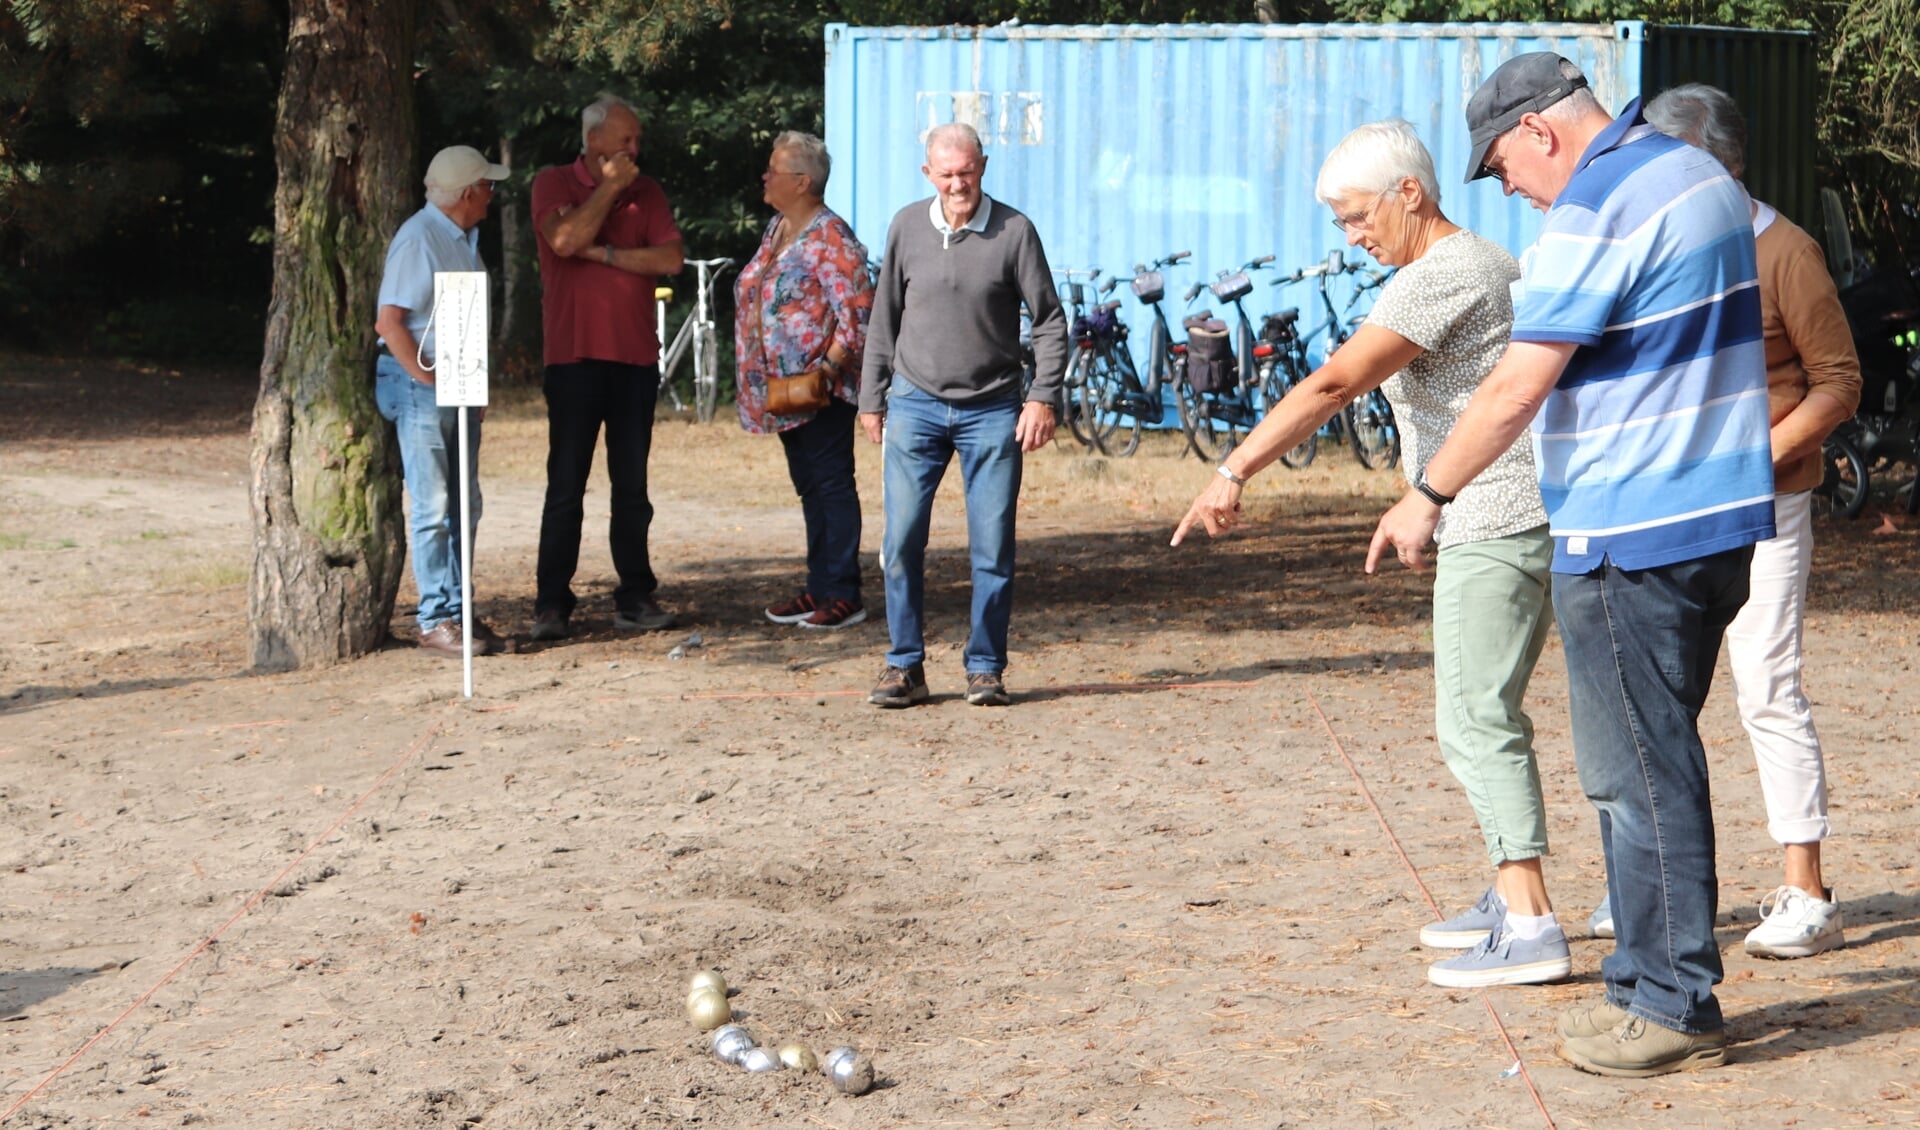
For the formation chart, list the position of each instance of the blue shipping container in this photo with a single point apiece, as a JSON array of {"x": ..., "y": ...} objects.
[{"x": 1128, "y": 142}]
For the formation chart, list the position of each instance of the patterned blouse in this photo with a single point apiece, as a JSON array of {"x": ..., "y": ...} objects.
[{"x": 791, "y": 307}]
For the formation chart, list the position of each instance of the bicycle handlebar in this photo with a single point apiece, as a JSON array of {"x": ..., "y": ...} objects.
[
  {"x": 1258, "y": 263},
  {"x": 714, "y": 264}
]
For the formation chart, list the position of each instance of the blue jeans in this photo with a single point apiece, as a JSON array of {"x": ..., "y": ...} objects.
[
  {"x": 429, "y": 444},
  {"x": 924, "y": 433},
  {"x": 581, "y": 397},
  {"x": 1641, "y": 646},
  {"x": 820, "y": 463}
]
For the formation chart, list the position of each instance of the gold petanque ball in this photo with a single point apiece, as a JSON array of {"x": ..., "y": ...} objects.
[
  {"x": 800, "y": 1057},
  {"x": 707, "y": 979},
  {"x": 708, "y": 1010}
]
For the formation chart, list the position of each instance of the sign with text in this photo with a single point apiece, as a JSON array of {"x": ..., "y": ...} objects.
[{"x": 460, "y": 338}]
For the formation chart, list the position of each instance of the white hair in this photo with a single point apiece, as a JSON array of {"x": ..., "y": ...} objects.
[
  {"x": 1373, "y": 159},
  {"x": 808, "y": 152},
  {"x": 1576, "y": 106},
  {"x": 595, "y": 115},
  {"x": 955, "y": 135}
]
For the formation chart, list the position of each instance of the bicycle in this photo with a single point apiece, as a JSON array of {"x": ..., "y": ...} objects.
[
  {"x": 1220, "y": 399},
  {"x": 1073, "y": 298},
  {"x": 1367, "y": 422},
  {"x": 697, "y": 336}
]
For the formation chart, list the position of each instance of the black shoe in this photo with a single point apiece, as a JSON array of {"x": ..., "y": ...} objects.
[
  {"x": 645, "y": 616},
  {"x": 548, "y": 625},
  {"x": 984, "y": 688},
  {"x": 900, "y": 686}
]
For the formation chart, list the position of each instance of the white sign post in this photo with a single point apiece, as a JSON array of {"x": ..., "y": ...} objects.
[{"x": 460, "y": 381}]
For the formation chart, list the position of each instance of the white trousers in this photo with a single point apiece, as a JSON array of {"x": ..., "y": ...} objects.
[{"x": 1764, "y": 651}]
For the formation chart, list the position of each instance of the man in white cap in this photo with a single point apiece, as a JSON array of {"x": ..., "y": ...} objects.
[
  {"x": 1637, "y": 356},
  {"x": 442, "y": 236}
]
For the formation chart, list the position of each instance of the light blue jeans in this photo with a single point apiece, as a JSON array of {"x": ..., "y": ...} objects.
[
  {"x": 1641, "y": 647},
  {"x": 924, "y": 433},
  {"x": 429, "y": 444}
]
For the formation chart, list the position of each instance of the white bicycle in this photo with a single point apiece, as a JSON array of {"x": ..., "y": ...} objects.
[{"x": 697, "y": 337}]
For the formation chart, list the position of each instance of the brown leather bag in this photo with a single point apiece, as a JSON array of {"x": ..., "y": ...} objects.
[{"x": 806, "y": 392}]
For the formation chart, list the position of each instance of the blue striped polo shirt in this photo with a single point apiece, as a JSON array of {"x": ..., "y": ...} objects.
[{"x": 1653, "y": 448}]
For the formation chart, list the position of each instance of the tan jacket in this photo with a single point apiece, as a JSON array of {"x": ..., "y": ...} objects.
[{"x": 1807, "y": 340}]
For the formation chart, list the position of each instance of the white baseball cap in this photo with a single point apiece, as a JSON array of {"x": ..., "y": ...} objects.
[{"x": 458, "y": 166}]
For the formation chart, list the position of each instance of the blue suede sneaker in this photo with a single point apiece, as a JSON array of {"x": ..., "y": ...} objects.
[
  {"x": 1468, "y": 928},
  {"x": 1503, "y": 959}
]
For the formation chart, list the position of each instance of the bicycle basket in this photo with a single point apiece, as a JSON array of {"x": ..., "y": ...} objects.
[
  {"x": 1149, "y": 287},
  {"x": 1210, "y": 361},
  {"x": 1236, "y": 285}
]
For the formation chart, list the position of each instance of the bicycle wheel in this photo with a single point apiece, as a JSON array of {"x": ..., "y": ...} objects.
[
  {"x": 1074, "y": 398},
  {"x": 1116, "y": 430},
  {"x": 706, "y": 373},
  {"x": 1842, "y": 492},
  {"x": 1376, "y": 438},
  {"x": 1187, "y": 401},
  {"x": 1277, "y": 380},
  {"x": 1215, "y": 431}
]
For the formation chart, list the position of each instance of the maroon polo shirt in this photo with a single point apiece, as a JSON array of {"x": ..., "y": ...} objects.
[{"x": 590, "y": 311}]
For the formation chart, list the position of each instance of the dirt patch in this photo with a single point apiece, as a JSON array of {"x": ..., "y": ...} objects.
[{"x": 1155, "y": 892}]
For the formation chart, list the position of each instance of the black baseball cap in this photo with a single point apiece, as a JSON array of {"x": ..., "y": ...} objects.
[{"x": 1525, "y": 84}]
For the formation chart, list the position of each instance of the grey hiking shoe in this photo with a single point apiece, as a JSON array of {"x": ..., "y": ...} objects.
[
  {"x": 1638, "y": 1049},
  {"x": 1503, "y": 959},
  {"x": 1468, "y": 928},
  {"x": 900, "y": 686},
  {"x": 984, "y": 688},
  {"x": 1596, "y": 1019},
  {"x": 644, "y": 616}
]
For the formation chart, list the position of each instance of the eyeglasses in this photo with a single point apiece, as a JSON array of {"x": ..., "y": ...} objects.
[
  {"x": 1496, "y": 170},
  {"x": 782, "y": 173},
  {"x": 1361, "y": 220}
]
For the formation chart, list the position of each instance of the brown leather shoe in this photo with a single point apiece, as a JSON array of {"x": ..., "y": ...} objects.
[{"x": 444, "y": 639}]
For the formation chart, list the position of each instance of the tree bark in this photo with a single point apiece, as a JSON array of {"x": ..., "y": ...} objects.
[{"x": 328, "y": 534}]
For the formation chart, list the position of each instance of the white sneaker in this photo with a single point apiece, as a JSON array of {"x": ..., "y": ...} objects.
[{"x": 1794, "y": 923}]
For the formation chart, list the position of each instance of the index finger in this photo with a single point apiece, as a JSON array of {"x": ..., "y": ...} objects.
[
  {"x": 1180, "y": 531},
  {"x": 1378, "y": 547}
]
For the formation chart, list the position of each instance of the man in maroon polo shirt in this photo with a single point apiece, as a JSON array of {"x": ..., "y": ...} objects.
[{"x": 605, "y": 233}]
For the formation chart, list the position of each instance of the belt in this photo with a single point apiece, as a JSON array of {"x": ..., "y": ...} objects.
[{"x": 384, "y": 351}]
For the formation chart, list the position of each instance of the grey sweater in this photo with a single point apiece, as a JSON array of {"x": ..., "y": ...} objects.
[{"x": 947, "y": 319}]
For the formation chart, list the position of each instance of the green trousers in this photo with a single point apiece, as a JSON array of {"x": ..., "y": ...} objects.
[{"x": 1491, "y": 607}]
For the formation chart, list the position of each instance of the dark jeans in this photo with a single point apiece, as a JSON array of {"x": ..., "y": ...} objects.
[
  {"x": 1641, "y": 647},
  {"x": 580, "y": 398},
  {"x": 820, "y": 463}
]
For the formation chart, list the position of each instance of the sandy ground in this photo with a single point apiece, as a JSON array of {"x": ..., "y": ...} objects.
[{"x": 1164, "y": 889}]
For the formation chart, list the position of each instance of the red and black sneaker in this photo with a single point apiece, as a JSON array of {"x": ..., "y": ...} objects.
[
  {"x": 793, "y": 611},
  {"x": 835, "y": 615}
]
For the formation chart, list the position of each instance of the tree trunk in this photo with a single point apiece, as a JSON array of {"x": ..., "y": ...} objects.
[
  {"x": 512, "y": 247},
  {"x": 328, "y": 534}
]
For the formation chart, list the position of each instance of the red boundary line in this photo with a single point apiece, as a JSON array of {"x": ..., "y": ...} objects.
[
  {"x": 411, "y": 751},
  {"x": 1367, "y": 795}
]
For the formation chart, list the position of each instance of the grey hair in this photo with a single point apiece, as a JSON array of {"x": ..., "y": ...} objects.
[
  {"x": 595, "y": 115},
  {"x": 1705, "y": 117},
  {"x": 955, "y": 135},
  {"x": 1374, "y": 158},
  {"x": 808, "y": 152}
]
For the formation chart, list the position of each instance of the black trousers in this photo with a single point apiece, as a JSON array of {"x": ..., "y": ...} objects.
[{"x": 581, "y": 398}]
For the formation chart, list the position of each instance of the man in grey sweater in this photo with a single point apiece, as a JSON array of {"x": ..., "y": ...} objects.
[{"x": 943, "y": 361}]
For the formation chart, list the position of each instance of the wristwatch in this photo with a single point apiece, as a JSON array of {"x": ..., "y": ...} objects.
[
  {"x": 606, "y": 254},
  {"x": 1226, "y": 473},
  {"x": 1420, "y": 484}
]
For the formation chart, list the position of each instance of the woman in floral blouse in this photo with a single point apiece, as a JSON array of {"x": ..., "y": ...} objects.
[{"x": 802, "y": 304}]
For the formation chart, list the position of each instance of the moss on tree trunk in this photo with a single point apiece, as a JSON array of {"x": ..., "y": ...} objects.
[{"x": 328, "y": 531}]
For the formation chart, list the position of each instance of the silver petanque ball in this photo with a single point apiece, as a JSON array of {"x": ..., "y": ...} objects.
[
  {"x": 730, "y": 1042},
  {"x": 851, "y": 1074},
  {"x": 757, "y": 1060},
  {"x": 835, "y": 1056},
  {"x": 800, "y": 1057}
]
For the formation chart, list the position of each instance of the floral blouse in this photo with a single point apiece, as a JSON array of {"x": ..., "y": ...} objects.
[{"x": 791, "y": 307}]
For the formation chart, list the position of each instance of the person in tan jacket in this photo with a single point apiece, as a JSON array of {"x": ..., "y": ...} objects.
[{"x": 1813, "y": 385}]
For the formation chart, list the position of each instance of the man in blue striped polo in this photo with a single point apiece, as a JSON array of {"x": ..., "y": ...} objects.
[{"x": 1636, "y": 356}]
